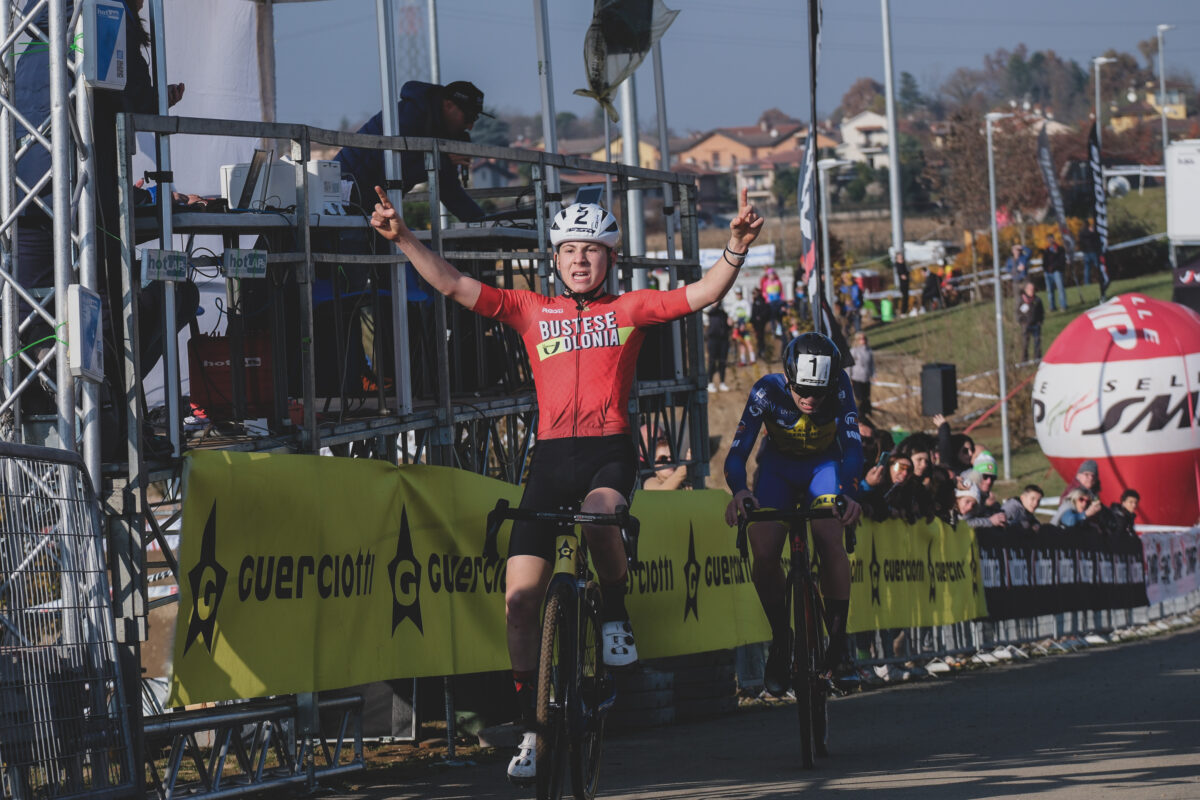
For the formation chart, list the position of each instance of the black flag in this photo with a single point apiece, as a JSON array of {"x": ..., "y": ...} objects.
[
  {"x": 1100, "y": 201},
  {"x": 1056, "y": 200}
]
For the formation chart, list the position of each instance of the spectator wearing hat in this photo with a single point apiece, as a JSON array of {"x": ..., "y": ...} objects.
[
  {"x": 426, "y": 110},
  {"x": 1021, "y": 512},
  {"x": 985, "y": 465},
  {"x": 1030, "y": 313},
  {"x": 1086, "y": 477},
  {"x": 966, "y": 501},
  {"x": 984, "y": 514}
]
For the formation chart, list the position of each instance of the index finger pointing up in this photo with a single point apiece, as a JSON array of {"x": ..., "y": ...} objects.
[
  {"x": 383, "y": 198},
  {"x": 745, "y": 196}
]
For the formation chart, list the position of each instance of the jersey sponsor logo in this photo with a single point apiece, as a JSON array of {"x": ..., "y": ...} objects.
[
  {"x": 549, "y": 310},
  {"x": 583, "y": 333}
]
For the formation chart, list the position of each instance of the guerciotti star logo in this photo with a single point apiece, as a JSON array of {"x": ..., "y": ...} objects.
[
  {"x": 207, "y": 582},
  {"x": 691, "y": 577}
]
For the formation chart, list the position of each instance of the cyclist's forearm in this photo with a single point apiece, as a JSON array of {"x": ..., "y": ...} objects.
[{"x": 443, "y": 276}]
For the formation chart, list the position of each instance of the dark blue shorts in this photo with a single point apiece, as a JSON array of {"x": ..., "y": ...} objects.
[{"x": 785, "y": 482}]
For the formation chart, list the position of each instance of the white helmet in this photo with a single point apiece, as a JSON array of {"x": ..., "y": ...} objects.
[{"x": 585, "y": 222}]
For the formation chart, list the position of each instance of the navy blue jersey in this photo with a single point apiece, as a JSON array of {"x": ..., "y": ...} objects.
[{"x": 831, "y": 431}]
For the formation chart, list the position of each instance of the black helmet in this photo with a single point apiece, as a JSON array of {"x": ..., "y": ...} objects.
[{"x": 811, "y": 362}]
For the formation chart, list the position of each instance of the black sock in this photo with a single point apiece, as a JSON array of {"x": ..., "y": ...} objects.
[
  {"x": 837, "y": 611},
  {"x": 778, "y": 618},
  {"x": 613, "y": 595},
  {"x": 524, "y": 681}
]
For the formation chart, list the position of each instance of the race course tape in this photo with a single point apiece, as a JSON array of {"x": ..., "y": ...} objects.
[{"x": 308, "y": 573}]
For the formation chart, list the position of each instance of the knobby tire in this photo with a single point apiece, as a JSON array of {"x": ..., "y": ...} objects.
[
  {"x": 587, "y": 726},
  {"x": 556, "y": 671},
  {"x": 820, "y": 697},
  {"x": 802, "y": 666}
]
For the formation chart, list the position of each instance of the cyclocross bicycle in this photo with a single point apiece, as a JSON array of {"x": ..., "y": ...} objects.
[
  {"x": 809, "y": 621},
  {"x": 574, "y": 688}
]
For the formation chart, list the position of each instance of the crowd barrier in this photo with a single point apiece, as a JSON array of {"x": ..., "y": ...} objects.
[{"x": 305, "y": 574}]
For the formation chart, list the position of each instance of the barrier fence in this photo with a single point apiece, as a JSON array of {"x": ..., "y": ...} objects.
[
  {"x": 63, "y": 719},
  {"x": 281, "y": 588}
]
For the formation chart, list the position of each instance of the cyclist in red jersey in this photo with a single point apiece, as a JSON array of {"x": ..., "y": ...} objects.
[{"x": 583, "y": 345}]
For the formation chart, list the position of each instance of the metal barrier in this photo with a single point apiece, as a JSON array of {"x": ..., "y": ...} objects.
[
  {"x": 905, "y": 653},
  {"x": 63, "y": 717},
  {"x": 247, "y": 747}
]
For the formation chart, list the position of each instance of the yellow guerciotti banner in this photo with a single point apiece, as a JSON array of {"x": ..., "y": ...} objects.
[
  {"x": 307, "y": 573},
  {"x": 910, "y": 575}
]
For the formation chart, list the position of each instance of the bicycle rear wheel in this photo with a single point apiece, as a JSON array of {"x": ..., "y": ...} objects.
[
  {"x": 556, "y": 674},
  {"x": 802, "y": 666},
  {"x": 586, "y": 730}
]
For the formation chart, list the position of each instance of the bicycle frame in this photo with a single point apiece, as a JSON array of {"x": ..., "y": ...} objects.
[{"x": 575, "y": 691}]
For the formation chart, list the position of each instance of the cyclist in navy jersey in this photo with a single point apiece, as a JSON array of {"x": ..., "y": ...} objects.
[{"x": 812, "y": 452}]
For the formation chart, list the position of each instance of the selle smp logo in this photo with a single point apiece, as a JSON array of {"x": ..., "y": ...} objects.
[
  {"x": 207, "y": 581},
  {"x": 404, "y": 571},
  {"x": 691, "y": 578}
]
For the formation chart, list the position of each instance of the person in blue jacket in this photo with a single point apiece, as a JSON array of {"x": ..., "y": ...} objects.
[
  {"x": 812, "y": 452},
  {"x": 427, "y": 110}
]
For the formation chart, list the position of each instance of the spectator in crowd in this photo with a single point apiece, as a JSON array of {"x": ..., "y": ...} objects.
[
  {"x": 1017, "y": 264},
  {"x": 1079, "y": 506},
  {"x": 716, "y": 337},
  {"x": 760, "y": 317},
  {"x": 1030, "y": 314},
  {"x": 862, "y": 373},
  {"x": 772, "y": 291},
  {"x": 984, "y": 514},
  {"x": 740, "y": 316},
  {"x": 1089, "y": 244},
  {"x": 931, "y": 291},
  {"x": 920, "y": 448},
  {"x": 956, "y": 451},
  {"x": 900, "y": 268},
  {"x": 941, "y": 489},
  {"x": 888, "y": 490},
  {"x": 1054, "y": 262},
  {"x": 1086, "y": 477},
  {"x": 984, "y": 465},
  {"x": 428, "y": 110},
  {"x": 966, "y": 501},
  {"x": 666, "y": 477},
  {"x": 1021, "y": 512},
  {"x": 1123, "y": 515}
]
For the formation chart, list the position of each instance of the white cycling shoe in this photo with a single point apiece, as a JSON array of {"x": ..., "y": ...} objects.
[
  {"x": 522, "y": 769},
  {"x": 619, "y": 647}
]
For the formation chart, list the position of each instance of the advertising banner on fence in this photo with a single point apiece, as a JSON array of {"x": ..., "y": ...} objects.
[
  {"x": 1171, "y": 569},
  {"x": 302, "y": 573},
  {"x": 906, "y": 575},
  {"x": 1055, "y": 570}
]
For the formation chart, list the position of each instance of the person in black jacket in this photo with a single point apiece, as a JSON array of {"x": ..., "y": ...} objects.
[
  {"x": 760, "y": 315},
  {"x": 956, "y": 451},
  {"x": 1054, "y": 261},
  {"x": 901, "y": 270},
  {"x": 428, "y": 110},
  {"x": 1030, "y": 314},
  {"x": 1089, "y": 244},
  {"x": 716, "y": 336}
]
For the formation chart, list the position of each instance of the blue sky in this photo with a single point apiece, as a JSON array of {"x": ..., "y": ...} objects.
[{"x": 724, "y": 62}]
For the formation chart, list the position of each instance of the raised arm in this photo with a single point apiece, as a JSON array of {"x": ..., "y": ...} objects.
[
  {"x": 743, "y": 230},
  {"x": 441, "y": 274}
]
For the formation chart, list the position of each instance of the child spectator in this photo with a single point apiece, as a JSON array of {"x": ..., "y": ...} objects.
[{"x": 1021, "y": 512}]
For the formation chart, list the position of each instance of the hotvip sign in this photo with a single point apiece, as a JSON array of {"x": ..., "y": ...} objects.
[{"x": 1120, "y": 386}]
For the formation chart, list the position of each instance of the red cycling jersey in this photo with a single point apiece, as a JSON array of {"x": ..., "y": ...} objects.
[{"x": 583, "y": 359}]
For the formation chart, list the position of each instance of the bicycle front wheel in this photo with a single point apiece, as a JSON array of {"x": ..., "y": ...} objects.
[
  {"x": 556, "y": 675},
  {"x": 818, "y": 689},
  {"x": 586, "y": 730},
  {"x": 803, "y": 667}
]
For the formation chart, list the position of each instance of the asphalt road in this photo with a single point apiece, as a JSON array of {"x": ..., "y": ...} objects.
[{"x": 1119, "y": 721}]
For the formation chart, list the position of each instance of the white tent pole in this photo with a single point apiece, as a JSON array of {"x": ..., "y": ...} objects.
[{"x": 435, "y": 63}]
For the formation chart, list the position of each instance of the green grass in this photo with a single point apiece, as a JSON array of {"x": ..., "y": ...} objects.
[
  {"x": 1149, "y": 209},
  {"x": 965, "y": 335}
]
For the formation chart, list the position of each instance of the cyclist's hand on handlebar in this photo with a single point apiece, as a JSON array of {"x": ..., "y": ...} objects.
[
  {"x": 733, "y": 511},
  {"x": 852, "y": 513}
]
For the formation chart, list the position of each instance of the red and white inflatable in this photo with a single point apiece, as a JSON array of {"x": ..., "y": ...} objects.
[{"x": 1120, "y": 385}]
